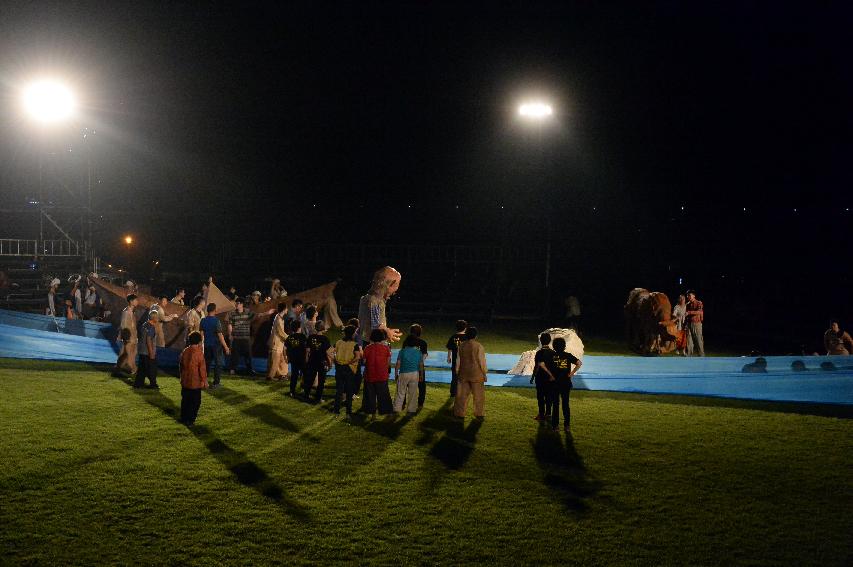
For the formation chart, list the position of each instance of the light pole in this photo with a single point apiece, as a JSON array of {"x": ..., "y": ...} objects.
[
  {"x": 48, "y": 103},
  {"x": 538, "y": 113}
]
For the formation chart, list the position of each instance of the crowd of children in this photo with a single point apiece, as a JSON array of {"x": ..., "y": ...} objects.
[{"x": 300, "y": 351}]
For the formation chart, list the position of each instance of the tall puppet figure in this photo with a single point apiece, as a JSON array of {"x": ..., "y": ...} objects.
[{"x": 371, "y": 306}]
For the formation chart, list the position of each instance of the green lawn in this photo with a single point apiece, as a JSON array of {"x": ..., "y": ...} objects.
[
  {"x": 504, "y": 337},
  {"x": 515, "y": 337},
  {"x": 96, "y": 473}
]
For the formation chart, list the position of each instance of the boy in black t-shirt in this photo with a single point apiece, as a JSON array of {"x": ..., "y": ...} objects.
[
  {"x": 416, "y": 331},
  {"x": 297, "y": 353},
  {"x": 452, "y": 351},
  {"x": 319, "y": 361},
  {"x": 560, "y": 372},
  {"x": 543, "y": 385}
]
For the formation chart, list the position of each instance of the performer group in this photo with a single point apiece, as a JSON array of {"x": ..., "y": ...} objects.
[{"x": 301, "y": 353}]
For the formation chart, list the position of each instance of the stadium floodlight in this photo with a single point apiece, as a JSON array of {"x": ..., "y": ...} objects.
[
  {"x": 128, "y": 240},
  {"x": 49, "y": 101},
  {"x": 535, "y": 110}
]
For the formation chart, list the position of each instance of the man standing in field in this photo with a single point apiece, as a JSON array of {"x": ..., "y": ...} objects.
[
  {"x": 126, "y": 361},
  {"x": 240, "y": 336},
  {"x": 452, "y": 353},
  {"x": 472, "y": 375},
  {"x": 214, "y": 343},
  {"x": 160, "y": 309},
  {"x": 695, "y": 317},
  {"x": 194, "y": 316}
]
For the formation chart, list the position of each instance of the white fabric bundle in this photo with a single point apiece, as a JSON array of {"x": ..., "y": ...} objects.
[{"x": 574, "y": 345}]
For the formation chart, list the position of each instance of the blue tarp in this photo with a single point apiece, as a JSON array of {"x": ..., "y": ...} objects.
[
  {"x": 91, "y": 329},
  {"x": 824, "y": 379}
]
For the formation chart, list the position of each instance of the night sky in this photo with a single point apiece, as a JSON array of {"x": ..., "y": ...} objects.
[
  {"x": 414, "y": 102},
  {"x": 249, "y": 114}
]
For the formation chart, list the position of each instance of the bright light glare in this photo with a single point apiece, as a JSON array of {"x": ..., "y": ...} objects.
[
  {"x": 49, "y": 101},
  {"x": 537, "y": 110},
  {"x": 128, "y": 239}
]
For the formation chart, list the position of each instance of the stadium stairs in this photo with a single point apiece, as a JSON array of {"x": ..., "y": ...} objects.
[{"x": 28, "y": 284}]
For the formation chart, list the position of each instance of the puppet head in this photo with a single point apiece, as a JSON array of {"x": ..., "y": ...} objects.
[{"x": 386, "y": 282}]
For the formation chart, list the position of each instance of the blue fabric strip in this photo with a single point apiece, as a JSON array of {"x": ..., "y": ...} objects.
[{"x": 822, "y": 379}]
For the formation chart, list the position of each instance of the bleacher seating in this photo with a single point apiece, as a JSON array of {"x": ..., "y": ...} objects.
[{"x": 28, "y": 285}]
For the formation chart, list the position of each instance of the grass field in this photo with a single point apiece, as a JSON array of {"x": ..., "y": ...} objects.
[
  {"x": 515, "y": 337},
  {"x": 96, "y": 473},
  {"x": 506, "y": 337}
]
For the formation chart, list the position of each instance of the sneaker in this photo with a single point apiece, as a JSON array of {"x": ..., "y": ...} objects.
[
  {"x": 567, "y": 429},
  {"x": 356, "y": 397},
  {"x": 539, "y": 417},
  {"x": 215, "y": 386}
]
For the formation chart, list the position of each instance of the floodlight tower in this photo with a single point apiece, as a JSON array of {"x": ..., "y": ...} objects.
[
  {"x": 538, "y": 113},
  {"x": 50, "y": 104}
]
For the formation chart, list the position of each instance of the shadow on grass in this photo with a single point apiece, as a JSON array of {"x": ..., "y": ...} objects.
[
  {"x": 238, "y": 463},
  {"x": 456, "y": 446},
  {"x": 438, "y": 421},
  {"x": 390, "y": 426},
  {"x": 563, "y": 469},
  {"x": 262, "y": 412}
]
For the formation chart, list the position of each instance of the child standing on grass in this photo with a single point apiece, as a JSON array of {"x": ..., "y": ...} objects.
[
  {"x": 452, "y": 352},
  {"x": 563, "y": 366},
  {"x": 377, "y": 361},
  {"x": 542, "y": 379},
  {"x": 148, "y": 353},
  {"x": 407, "y": 371},
  {"x": 193, "y": 372},
  {"x": 358, "y": 340},
  {"x": 347, "y": 357},
  {"x": 297, "y": 353},
  {"x": 416, "y": 331},
  {"x": 319, "y": 361}
]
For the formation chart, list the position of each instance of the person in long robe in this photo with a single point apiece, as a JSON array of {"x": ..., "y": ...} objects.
[{"x": 126, "y": 361}]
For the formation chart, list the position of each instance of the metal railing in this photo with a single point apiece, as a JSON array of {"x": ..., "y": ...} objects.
[
  {"x": 30, "y": 248},
  {"x": 18, "y": 247}
]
